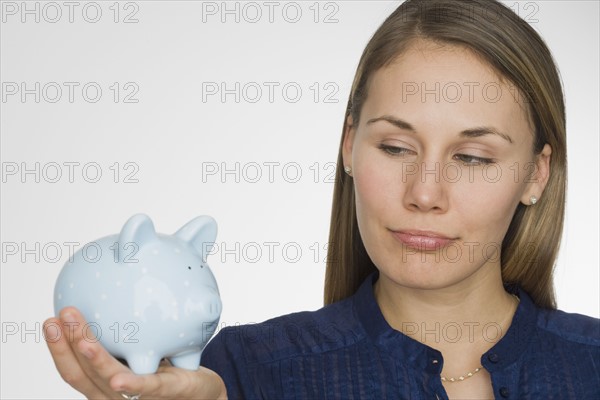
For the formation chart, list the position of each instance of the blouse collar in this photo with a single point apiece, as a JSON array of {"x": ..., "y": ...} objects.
[{"x": 402, "y": 347}]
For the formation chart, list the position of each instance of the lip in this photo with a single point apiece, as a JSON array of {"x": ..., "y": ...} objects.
[{"x": 422, "y": 240}]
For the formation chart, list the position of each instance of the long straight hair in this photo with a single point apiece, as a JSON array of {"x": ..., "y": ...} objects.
[{"x": 518, "y": 54}]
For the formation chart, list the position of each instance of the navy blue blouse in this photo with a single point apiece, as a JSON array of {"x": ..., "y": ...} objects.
[{"x": 347, "y": 350}]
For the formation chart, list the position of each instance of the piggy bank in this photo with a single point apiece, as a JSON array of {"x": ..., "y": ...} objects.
[{"x": 145, "y": 295}]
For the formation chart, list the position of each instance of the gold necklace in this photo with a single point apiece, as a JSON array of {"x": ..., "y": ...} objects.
[
  {"x": 462, "y": 377},
  {"x": 476, "y": 370}
]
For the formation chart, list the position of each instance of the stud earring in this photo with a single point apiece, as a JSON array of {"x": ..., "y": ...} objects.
[
  {"x": 533, "y": 200},
  {"x": 348, "y": 170}
]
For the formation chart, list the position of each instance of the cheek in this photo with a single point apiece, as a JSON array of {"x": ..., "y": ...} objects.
[
  {"x": 373, "y": 193},
  {"x": 377, "y": 199},
  {"x": 374, "y": 186},
  {"x": 486, "y": 205}
]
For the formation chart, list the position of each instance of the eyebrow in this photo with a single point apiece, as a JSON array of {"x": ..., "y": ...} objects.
[{"x": 471, "y": 133}]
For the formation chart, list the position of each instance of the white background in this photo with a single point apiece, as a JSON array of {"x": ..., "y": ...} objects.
[{"x": 170, "y": 136}]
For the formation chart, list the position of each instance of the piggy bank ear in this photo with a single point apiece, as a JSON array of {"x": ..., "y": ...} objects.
[
  {"x": 138, "y": 230},
  {"x": 201, "y": 233}
]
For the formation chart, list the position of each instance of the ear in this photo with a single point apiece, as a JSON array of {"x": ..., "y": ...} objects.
[
  {"x": 348, "y": 141},
  {"x": 138, "y": 230},
  {"x": 538, "y": 178},
  {"x": 201, "y": 233}
]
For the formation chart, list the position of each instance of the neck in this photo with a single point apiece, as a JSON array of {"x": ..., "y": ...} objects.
[{"x": 453, "y": 318}]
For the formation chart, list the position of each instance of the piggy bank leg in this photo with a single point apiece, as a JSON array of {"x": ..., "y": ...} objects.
[
  {"x": 188, "y": 360},
  {"x": 141, "y": 364}
]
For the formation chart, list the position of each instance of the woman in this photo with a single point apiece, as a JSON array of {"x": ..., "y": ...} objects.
[{"x": 446, "y": 220}]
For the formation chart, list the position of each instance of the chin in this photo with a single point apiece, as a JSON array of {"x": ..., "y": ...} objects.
[{"x": 425, "y": 276}]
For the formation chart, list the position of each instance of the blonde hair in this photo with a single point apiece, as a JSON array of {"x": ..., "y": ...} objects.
[{"x": 518, "y": 54}]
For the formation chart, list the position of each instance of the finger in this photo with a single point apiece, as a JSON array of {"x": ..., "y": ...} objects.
[
  {"x": 97, "y": 364},
  {"x": 102, "y": 363},
  {"x": 65, "y": 360},
  {"x": 171, "y": 382}
]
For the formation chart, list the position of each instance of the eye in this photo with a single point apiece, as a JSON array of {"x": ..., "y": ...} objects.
[
  {"x": 472, "y": 160},
  {"x": 189, "y": 267},
  {"x": 393, "y": 150}
]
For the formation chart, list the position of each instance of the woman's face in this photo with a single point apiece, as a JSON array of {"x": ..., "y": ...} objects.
[{"x": 440, "y": 160}]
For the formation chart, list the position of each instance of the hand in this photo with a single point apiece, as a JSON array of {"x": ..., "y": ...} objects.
[{"x": 91, "y": 370}]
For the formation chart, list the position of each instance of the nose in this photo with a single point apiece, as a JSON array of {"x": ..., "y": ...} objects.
[{"x": 424, "y": 187}]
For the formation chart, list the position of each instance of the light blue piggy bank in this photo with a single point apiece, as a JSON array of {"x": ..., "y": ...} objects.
[{"x": 145, "y": 295}]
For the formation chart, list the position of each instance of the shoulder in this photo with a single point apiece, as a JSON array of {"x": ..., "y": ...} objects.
[
  {"x": 309, "y": 332},
  {"x": 246, "y": 355},
  {"x": 570, "y": 327}
]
